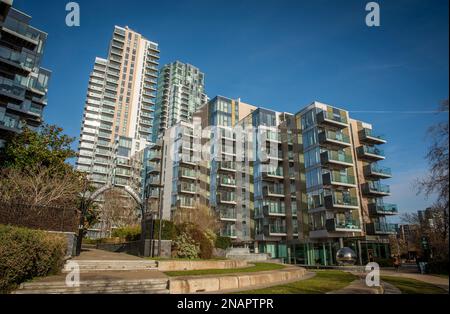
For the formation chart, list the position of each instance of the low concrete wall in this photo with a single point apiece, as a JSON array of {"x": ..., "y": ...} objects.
[
  {"x": 198, "y": 265},
  {"x": 195, "y": 284}
]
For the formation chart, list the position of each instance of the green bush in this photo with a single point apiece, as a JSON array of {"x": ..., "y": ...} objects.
[
  {"x": 128, "y": 233},
  {"x": 185, "y": 247},
  {"x": 206, "y": 247},
  {"x": 169, "y": 230},
  {"x": 27, "y": 253},
  {"x": 222, "y": 242}
]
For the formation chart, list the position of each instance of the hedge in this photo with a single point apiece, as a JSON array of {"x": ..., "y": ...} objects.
[
  {"x": 222, "y": 242},
  {"x": 27, "y": 253},
  {"x": 129, "y": 233}
]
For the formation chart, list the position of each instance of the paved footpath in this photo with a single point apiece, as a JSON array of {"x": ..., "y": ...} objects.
[
  {"x": 88, "y": 254},
  {"x": 434, "y": 280}
]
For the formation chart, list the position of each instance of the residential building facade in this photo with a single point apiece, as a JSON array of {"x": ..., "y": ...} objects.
[
  {"x": 181, "y": 91},
  {"x": 118, "y": 114},
  {"x": 23, "y": 82},
  {"x": 298, "y": 186}
]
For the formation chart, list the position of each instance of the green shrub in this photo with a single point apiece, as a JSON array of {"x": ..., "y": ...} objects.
[
  {"x": 169, "y": 230},
  {"x": 206, "y": 247},
  {"x": 185, "y": 247},
  {"x": 26, "y": 253},
  {"x": 222, "y": 242},
  {"x": 128, "y": 233}
]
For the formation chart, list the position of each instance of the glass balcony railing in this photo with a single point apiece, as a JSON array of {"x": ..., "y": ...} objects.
[
  {"x": 384, "y": 208},
  {"x": 16, "y": 57},
  {"x": 326, "y": 115},
  {"x": 228, "y": 232},
  {"x": 274, "y": 189},
  {"x": 338, "y": 156},
  {"x": 227, "y": 181},
  {"x": 334, "y": 136},
  {"x": 372, "y": 150},
  {"x": 21, "y": 29},
  {"x": 341, "y": 178},
  {"x": 341, "y": 200},
  {"x": 378, "y": 187},
  {"x": 228, "y": 197},
  {"x": 188, "y": 187},
  {"x": 367, "y": 134},
  {"x": 349, "y": 224},
  {"x": 376, "y": 169},
  {"x": 276, "y": 209},
  {"x": 227, "y": 213},
  {"x": 228, "y": 165},
  {"x": 278, "y": 172},
  {"x": 273, "y": 136},
  {"x": 277, "y": 229},
  {"x": 188, "y": 173}
]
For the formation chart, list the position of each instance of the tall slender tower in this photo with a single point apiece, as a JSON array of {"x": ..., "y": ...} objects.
[
  {"x": 118, "y": 114},
  {"x": 181, "y": 91}
]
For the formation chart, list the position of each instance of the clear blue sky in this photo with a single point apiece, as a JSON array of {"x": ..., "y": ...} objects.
[{"x": 276, "y": 54}]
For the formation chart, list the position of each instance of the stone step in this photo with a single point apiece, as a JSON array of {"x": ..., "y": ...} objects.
[
  {"x": 110, "y": 283},
  {"x": 93, "y": 291},
  {"x": 112, "y": 265}
]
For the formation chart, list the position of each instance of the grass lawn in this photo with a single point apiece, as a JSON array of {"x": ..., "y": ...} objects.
[
  {"x": 257, "y": 267},
  {"x": 412, "y": 286},
  {"x": 157, "y": 258},
  {"x": 324, "y": 281}
]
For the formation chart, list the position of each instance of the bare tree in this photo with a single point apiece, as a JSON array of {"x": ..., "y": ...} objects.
[
  {"x": 201, "y": 216},
  {"x": 39, "y": 186},
  {"x": 437, "y": 183},
  {"x": 118, "y": 210}
]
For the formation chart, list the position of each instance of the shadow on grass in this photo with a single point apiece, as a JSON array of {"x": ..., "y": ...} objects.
[{"x": 412, "y": 286}]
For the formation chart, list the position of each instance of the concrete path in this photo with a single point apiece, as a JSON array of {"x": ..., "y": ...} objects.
[
  {"x": 434, "y": 280},
  {"x": 94, "y": 254}
]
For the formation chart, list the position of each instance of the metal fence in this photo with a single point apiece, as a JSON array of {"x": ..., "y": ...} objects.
[{"x": 39, "y": 217}]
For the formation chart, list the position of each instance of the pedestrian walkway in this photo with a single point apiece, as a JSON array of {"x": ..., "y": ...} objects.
[
  {"x": 95, "y": 254},
  {"x": 358, "y": 286},
  {"x": 434, "y": 280}
]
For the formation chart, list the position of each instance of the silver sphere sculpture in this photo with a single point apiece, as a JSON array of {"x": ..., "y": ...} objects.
[{"x": 346, "y": 256}]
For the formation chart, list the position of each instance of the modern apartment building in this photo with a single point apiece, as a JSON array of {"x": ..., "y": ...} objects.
[
  {"x": 23, "y": 83},
  {"x": 181, "y": 91},
  {"x": 298, "y": 186},
  {"x": 118, "y": 113}
]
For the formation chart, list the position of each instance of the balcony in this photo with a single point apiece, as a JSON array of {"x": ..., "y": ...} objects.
[
  {"x": 229, "y": 232},
  {"x": 336, "y": 158},
  {"x": 273, "y": 136},
  {"x": 376, "y": 189},
  {"x": 227, "y": 182},
  {"x": 154, "y": 181},
  {"x": 347, "y": 225},
  {"x": 188, "y": 174},
  {"x": 186, "y": 203},
  {"x": 273, "y": 191},
  {"x": 187, "y": 188},
  {"x": 225, "y": 198},
  {"x": 377, "y": 228},
  {"x": 17, "y": 60},
  {"x": 22, "y": 34},
  {"x": 277, "y": 230},
  {"x": 336, "y": 178},
  {"x": 383, "y": 209},
  {"x": 227, "y": 215},
  {"x": 339, "y": 201},
  {"x": 276, "y": 210},
  {"x": 228, "y": 166},
  {"x": 328, "y": 137},
  {"x": 370, "y": 153},
  {"x": 155, "y": 156},
  {"x": 375, "y": 171},
  {"x": 328, "y": 118},
  {"x": 273, "y": 174},
  {"x": 366, "y": 136},
  {"x": 154, "y": 194}
]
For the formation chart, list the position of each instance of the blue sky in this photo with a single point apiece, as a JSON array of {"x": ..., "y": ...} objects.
[{"x": 280, "y": 55}]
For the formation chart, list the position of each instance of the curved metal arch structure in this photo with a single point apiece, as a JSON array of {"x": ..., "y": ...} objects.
[{"x": 127, "y": 189}]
